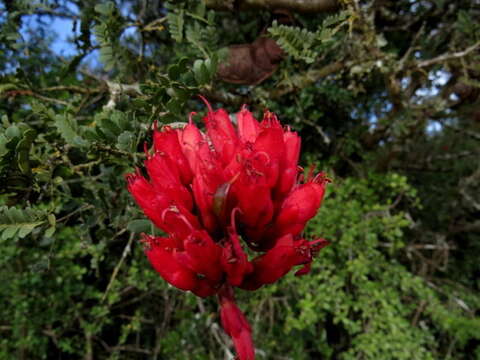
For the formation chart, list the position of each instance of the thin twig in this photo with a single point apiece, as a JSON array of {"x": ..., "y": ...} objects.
[
  {"x": 80, "y": 209},
  {"x": 72, "y": 88},
  {"x": 125, "y": 253},
  {"x": 412, "y": 47},
  {"x": 14, "y": 93},
  {"x": 447, "y": 57}
]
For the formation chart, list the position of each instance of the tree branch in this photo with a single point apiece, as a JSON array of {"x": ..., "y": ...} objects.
[
  {"x": 72, "y": 88},
  {"x": 117, "y": 89},
  {"x": 13, "y": 93},
  {"x": 447, "y": 57},
  {"x": 304, "y": 6}
]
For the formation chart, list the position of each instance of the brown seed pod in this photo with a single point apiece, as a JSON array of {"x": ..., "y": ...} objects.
[{"x": 250, "y": 64}]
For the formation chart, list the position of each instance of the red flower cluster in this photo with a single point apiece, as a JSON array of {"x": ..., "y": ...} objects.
[{"x": 210, "y": 190}]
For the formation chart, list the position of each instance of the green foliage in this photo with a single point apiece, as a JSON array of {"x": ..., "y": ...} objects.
[
  {"x": 68, "y": 129},
  {"x": 115, "y": 127},
  {"x": 295, "y": 41},
  {"x": 302, "y": 44},
  {"x": 107, "y": 32},
  {"x": 358, "y": 300},
  {"x": 181, "y": 82},
  {"x": 15, "y": 143},
  {"x": 467, "y": 26},
  {"x": 19, "y": 222},
  {"x": 194, "y": 24},
  {"x": 175, "y": 23}
]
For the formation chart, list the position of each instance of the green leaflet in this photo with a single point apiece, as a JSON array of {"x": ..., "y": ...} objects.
[
  {"x": 19, "y": 222},
  {"x": 303, "y": 44}
]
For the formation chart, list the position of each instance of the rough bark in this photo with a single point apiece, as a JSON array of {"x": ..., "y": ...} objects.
[{"x": 304, "y": 6}]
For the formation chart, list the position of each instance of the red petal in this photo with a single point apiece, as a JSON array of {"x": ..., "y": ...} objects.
[
  {"x": 164, "y": 263},
  {"x": 272, "y": 265},
  {"x": 167, "y": 142},
  {"x": 304, "y": 270},
  {"x": 178, "y": 221},
  {"x": 222, "y": 133},
  {"x": 248, "y": 127},
  {"x": 166, "y": 179},
  {"x": 299, "y": 207},
  {"x": 255, "y": 204},
  {"x": 202, "y": 255},
  {"x": 191, "y": 138},
  {"x": 270, "y": 142},
  {"x": 288, "y": 164},
  {"x": 164, "y": 212},
  {"x": 152, "y": 203},
  {"x": 270, "y": 121}
]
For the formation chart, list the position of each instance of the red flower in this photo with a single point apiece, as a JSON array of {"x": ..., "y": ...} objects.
[{"x": 209, "y": 191}]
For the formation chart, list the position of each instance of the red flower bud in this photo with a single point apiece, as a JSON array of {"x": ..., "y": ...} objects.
[{"x": 236, "y": 325}]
